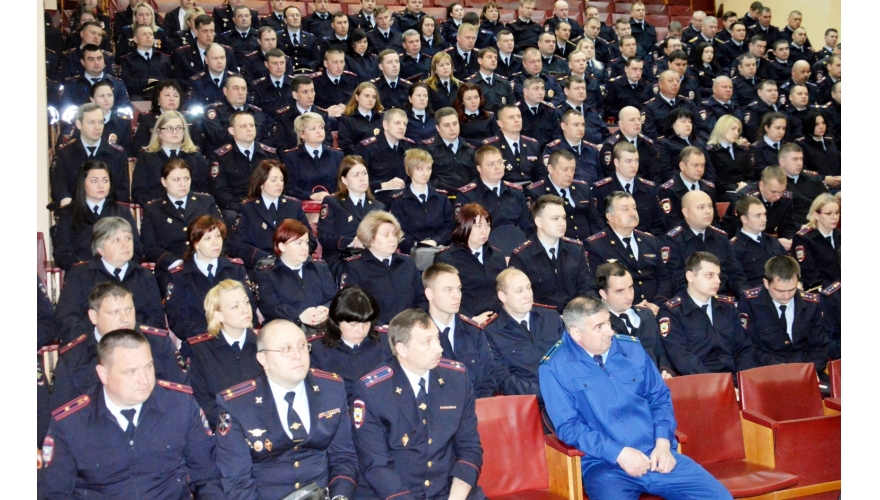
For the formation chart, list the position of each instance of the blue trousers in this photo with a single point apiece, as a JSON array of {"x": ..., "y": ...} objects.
[{"x": 687, "y": 481}]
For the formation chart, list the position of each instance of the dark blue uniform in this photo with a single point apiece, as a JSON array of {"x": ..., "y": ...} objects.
[
  {"x": 763, "y": 155},
  {"x": 420, "y": 128},
  {"x": 136, "y": 71},
  {"x": 337, "y": 227},
  {"x": 831, "y": 312},
  {"x": 71, "y": 245},
  {"x": 46, "y": 332},
  {"x": 186, "y": 291},
  {"x": 511, "y": 67},
  {"x": 710, "y": 110},
  {"x": 283, "y": 294},
  {"x": 744, "y": 91},
  {"x": 518, "y": 351},
  {"x": 552, "y": 21},
  {"x": 163, "y": 229},
  {"x": 649, "y": 162},
  {"x": 355, "y": 128},
  {"x": 71, "y": 312},
  {"x": 477, "y": 278},
  {"x": 818, "y": 259},
  {"x": 670, "y": 194},
  {"x": 727, "y": 54},
  {"x": 681, "y": 242},
  {"x": 460, "y": 69},
  {"x": 555, "y": 284},
  {"x": 451, "y": 169},
  {"x": 477, "y": 128},
  {"x": 697, "y": 345},
  {"x": 579, "y": 215},
  {"x": 384, "y": 162},
  {"x": 552, "y": 91},
  {"x": 117, "y": 131},
  {"x": 808, "y": 342},
  {"x": 302, "y": 53},
  {"x": 644, "y": 33},
  {"x": 780, "y": 220},
  {"x": 256, "y": 457},
  {"x": 496, "y": 94},
  {"x": 648, "y": 334},
  {"x": 471, "y": 349},
  {"x": 365, "y": 66},
  {"x": 70, "y": 157},
  {"x": 87, "y": 453},
  {"x": 554, "y": 64},
  {"x": 241, "y": 45},
  {"x": 283, "y": 136},
  {"x": 306, "y": 174},
  {"x": 395, "y": 288},
  {"x": 318, "y": 24},
  {"x": 650, "y": 277},
  {"x": 815, "y": 95},
  {"x": 655, "y": 111},
  {"x": 253, "y": 67},
  {"x": 525, "y": 33},
  {"x": 627, "y": 405},
  {"x": 145, "y": 123},
  {"x": 396, "y": 440},
  {"x": 223, "y": 15},
  {"x": 822, "y": 157},
  {"x": 414, "y": 69},
  {"x": 378, "y": 42},
  {"x": 216, "y": 124},
  {"x": 329, "y": 94},
  {"x": 804, "y": 190},
  {"x": 669, "y": 152},
  {"x": 214, "y": 365},
  {"x": 620, "y": 94},
  {"x": 586, "y": 155},
  {"x": 270, "y": 98},
  {"x": 542, "y": 124},
  {"x": 729, "y": 169},
  {"x": 395, "y": 97},
  {"x": 231, "y": 173},
  {"x": 70, "y": 63},
  {"x": 350, "y": 364},
  {"x": 146, "y": 182},
  {"x": 752, "y": 114},
  {"x": 188, "y": 61},
  {"x": 432, "y": 219},
  {"x": 650, "y": 215},
  {"x": 596, "y": 130},
  {"x": 753, "y": 255},
  {"x": 251, "y": 238},
  {"x": 522, "y": 165},
  {"x": 508, "y": 207}
]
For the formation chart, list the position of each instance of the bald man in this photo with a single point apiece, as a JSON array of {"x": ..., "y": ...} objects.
[
  {"x": 720, "y": 103},
  {"x": 800, "y": 75},
  {"x": 696, "y": 25},
  {"x": 560, "y": 14},
  {"x": 630, "y": 122},
  {"x": 656, "y": 110}
]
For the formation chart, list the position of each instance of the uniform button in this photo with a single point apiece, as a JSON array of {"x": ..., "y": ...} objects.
[
  {"x": 184, "y": 229},
  {"x": 424, "y": 421},
  {"x": 640, "y": 282},
  {"x": 430, "y": 440},
  {"x": 643, "y": 296},
  {"x": 640, "y": 271},
  {"x": 427, "y": 483},
  {"x": 295, "y": 485},
  {"x": 296, "y": 464},
  {"x": 430, "y": 463}
]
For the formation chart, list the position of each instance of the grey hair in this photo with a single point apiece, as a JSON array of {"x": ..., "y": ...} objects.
[
  {"x": 105, "y": 228},
  {"x": 579, "y": 309},
  {"x": 400, "y": 328}
]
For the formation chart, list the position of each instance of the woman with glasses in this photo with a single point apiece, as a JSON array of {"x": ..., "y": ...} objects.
[{"x": 817, "y": 246}]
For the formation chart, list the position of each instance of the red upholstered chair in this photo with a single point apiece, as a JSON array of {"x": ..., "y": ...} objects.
[
  {"x": 708, "y": 415},
  {"x": 834, "y": 374},
  {"x": 787, "y": 427}
]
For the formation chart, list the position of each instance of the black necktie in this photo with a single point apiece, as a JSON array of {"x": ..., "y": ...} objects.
[
  {"x": 590, "y": 64},
  {"x": 95, "y": 210},
  {"x": 495, "y": 190},
  {"x": 625, "y": 318},
  {"x": 598, "y": 358},
  {"x": 369, "y": 20},
  {"x": 693, "y": 187},
  {"x": 393, "y": 85},
  {"x": 210, "y": 273},
  {"x": 506, "y": 61},
  {"x": 179, "y": 204},
  {"x": 129, "y": 415},
  {"x": 776, "y": 146},
  {"x": 477, "y": 255},
  {"x": 516, "y": 149},
  {"x": 91, "y": 151},
  {"x": 633, "y": 85},
  {"x": 360, "y": 205},
  {"x": 732, "y": 154},
  {"x": 579, "y": 110},
  {"x": 317, "y": 155},
  {"x": 626, "y": 242},
  {"x": 703, "y": 237},
  {"x": 830, "y": 241},
  {"x": 278, "y": 85},
  {"x": 422, "y": 400},
  {"x": 782, "y": 312},
  {"x": 626, "y": 188},
  {"x": 173, "y": 154},
  {"x": 247, "y": 153},
  {"x": 295, "y": 39},
  {"x": 760, "y": 239},
  {"x": 467, "y": 58},
  {"x": 563, "y": 196},
  {"x": 553, "y": 259},
  {"x": 217, "y": 82},
  {"x": 444, "y": 335},
  {"x": 489, "y": 81},
  {"x": 446, "y": 85},
  {"x": 525, "y": 324},
  {"x": 387, "y": 262},
  {"x": 386, "y": 36},
  {"x": 273, "y": 211},
  {"x": 705, "y": 308},
  {"x": 118, "y": 273},
  {"x": 147, "y": 56},
  {"x": 423, "y": 197},
  {"x": 336, "y": 81},
  {"x": 534, "y": 110},
  {"x": 236, "y": 347},
  {"x": 244, "y": 36},
  {"x": 293, "y": 422}
]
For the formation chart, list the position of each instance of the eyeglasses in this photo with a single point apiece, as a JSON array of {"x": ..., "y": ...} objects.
[
  {"x": 287, "y": 351},
  {"x": 170, "y": 129}
]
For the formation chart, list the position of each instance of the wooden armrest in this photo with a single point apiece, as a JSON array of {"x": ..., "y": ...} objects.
[
  {"x": 832, "y": 406},
  {"x": 681, "y": 437},
  {"x": 757, "y": 418},
  {"x": 554, "y": 442}
]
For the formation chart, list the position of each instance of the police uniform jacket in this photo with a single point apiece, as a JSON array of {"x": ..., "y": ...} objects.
[
  {"x": 744, "y": 91},
  {"x": 216, "y": 123},
  {"x": 434, "y": 219},
  {"x": 578, "y": 225},
  {"x": 565, "y": 50},
  {"x": 337, "y": 227},
  {"x": 697, "y": 345},
  {"x": 53, "y": 64},
  {"x": 752, "y": 114},
  {"x": 145, "y": 123},
  {"x": 753, "y": 255},
  {"x": 818, "y": 259},
  {"x": 188, "y": 61},
  {"x": 366, "y": 66},
  {"x": 522, "y": 167},
  {"x": 780, "y": 215},
  {"x": 418, "y": 130},
  {"x": 271, "y": 98},
  {"x": 804, "y": 53},
  {"x": 75, "y": 372},
  {"x": 384, "y": 162},
  {"x": 303, "y": 52},
  {"x": 449, "y": 30},
  {"x": 596, "y": 130},
  {"x": 396, "y": 440},
  {"x": 620, "y": 94},
  {"x": 331, "y": 41},
  {"x": 554, "y": 64},
  {"x": 628, "y": 387},
  {"x": 283, "y": 136},
  {"x": 729, "y": 170},
  {"x": 543, "y": 124},
  {"x": 282, "y": 294},
  {"x": 595, "y": 79},
  {"x": 136, "y": 71},
  {"x": 643, "y": 191},
  {"x": 477, "y": 279},
  {"x": 656, "y": 110},
  {"x": 255, "y": 456},
  {"x": 214, "y": 366},
  {"x": 647, "y": 333},
  {"x": 378, "y": 42},
  {"x": 832, "y": 112},
  {"x": 794, "y": 128},
  {"x": 440, "y": 98},
  {"x": 163, "y": 229},
  {"x": 306, "y": 175},
  {"x": 318, "y": 24},
  {"x": 831, "y": 313},
  {"x": 494, "y": 26},
  {"x": 223, "y": 16},
  {"x": 726, "y": 54},
  {"x": 76, "y": 90},
  {"x": 477, "y": 128},
  {"x": 644, "y": 33},
  {"x": 804, "y": 190},
  {"x": 355, "y": 128},
  {"x": 412, "y": 69},
  {"x": 86, "y": 453},
  {"x": 512, "y": 66},
  {"x": 552, "y": 21},
  {"x": 710, "y": 110},
  {"x": 451, "y": 170},
  {"x": 171, "y": 22},
  {"x": 251, "y": 238},
  {"x": 705, "y": 76},
  {"x": 681, "y": 242},
  {"x": 552, "y": 91},
  {"x": 461, "y": 70},
  {"x": 763, "y": 156},
  {"x": 395, "y": 97},
  {"x": 651, "y": 280},
  {"x": 822, "y": 157},
  {"x": 770, "y": 33},
  {"x": 360, "y": 20},
  {"x": 507, "y": 207},
  {"x": 202, "y": 91},
  {"x": 649, "y": 161},
  {"x": 231, "y": 173},
  {"x": 179, "y": 38},
  {"x": 471, "y": 349},
  {"x": 70, "y": 64},
  {"x": 396, "y": 288},
  {"x": 241, "y": 44},
  {"x": 587, "y": 165},
  {"x": 146, "y": 183},
  {"x": 45, "y": 316},
  {"x": 518, "y": 351},
  {"x": 525, "y": 33},
  {"x": 405, "y": 20},
  {"x": 808, "y": 342},
  {"x": 670, "y": 194},
  {"x": 497, "y": 94},
  {"x": 431, "y": 46},
  {"x": 555, "y": 285},
  {"x": 71, "y": 245},
  {"x": 669, "y": 151},
  {"x": 349, "y": 363},
  {"x": 117, "y": 130},
  {"x": 824, "y": 88},
  {"x": 781, "y": 70},
  {"x": 185, "y": 294}
]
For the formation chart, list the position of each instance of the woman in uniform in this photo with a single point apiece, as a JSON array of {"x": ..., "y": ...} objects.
[
  {"x": 477, "y": 124},
  {"x": 425, "y": 213},
  {"x": 359, "y": 58},
  {"x": 420, "y": 124},
  {"x": 442, "y": 85},
  {"x": 362, "y": 117},
  {"x": 167, "y": 96},
  {"x": 678, "y": 133},
  {"x": 310, "y": 177},
  {"x": 817, "y": 246},
  {"x": 771, "y": 132},
  {"x": 731, "y": 162},
  {"x": 432, "y": 42},
  {"x": 821, "y": 149}
]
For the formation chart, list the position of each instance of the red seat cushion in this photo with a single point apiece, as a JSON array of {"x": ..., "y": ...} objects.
[{"x": 744, "y": 479}]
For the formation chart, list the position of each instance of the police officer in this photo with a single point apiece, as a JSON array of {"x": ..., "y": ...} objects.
[
  {"x": 232, "y": 165},
  {"x": 701, "y": 330},
  {"x": 561, "y": 165},
  {"x": 294, "y": 450},
  {"x": 520, "y": 334},
  {"x": 592, "y": 30},
  {"x": 334, "y": 85},
  {"x": 628, "y": 442},
  {"x": 255, "y": 64},
  {"x": 804, "y": 185},
  {"x": 771, "y": 191},
  {"x": 72, "y": 61},
  {"x": 817, "y": 246},
  {"x": 692, "y": 163},
  {"x": 337, "y": 38},
  {"x": 720, "y": 103},
  {"x": 532, "y": 66},
  {"x": 302, "y": 91},
  {"x": 629, "y": 89},
  {"x": 625, "y": 178},
  {"x": 144, "y": 66},
  {"x": 453, "y": 157},
  {"x": 585, "y": 153},
  {"x": 508, "y": 62},
  {"x": 383, "y": 37},
  {"x": 800, "y": 75},
  {"x": 753, "y": 247},
  {"x": 273, "y": 91},
  {"x": 728, "y": 54},
  {"x": 744, "y": 83},
  {"x": 165, "y": 445},
  {"x": 77, "y": 87},
  {"x": 763, "y": 27},
  {"x": 525, "y": 31},
  {"x": 497, "y": 91},
  {"x": 550, "y": 62},
  {"x": 189, "y": 60},
  {"x": 560, "y": 16},
  {"x": 224, "y": 15},
  {"x": 218, "y": 115},
  {"x": 297, "y": 43},
  {"x": 393, "y": 90},
  {"x": 541, "y": 119},
  {"x": 504, "y": 200},
  {"x": 564, "y": 45},
  {"x": 521, "y": 154},
  {"x": 707, "y": 35},
  {"x": 785, "y": 324},
  {"x": 242, "y": 38},
  {"x": 461, "y": 337},
  {"x": 555, "y": 265},
  {"x": 656, "y": 110},
  {"x": 429, "y": 456},
  {"x": 581, "y": 65},
  {"x": 384, "y": 154},
  {"x": 576, "y": 98},
  {"x": 424, "y": 213},
  {"x": 826, "y": 85},
  {"x": 697, "y": 234},
  {"x": 312, "y": 165},
  {"x": 206, "y": 88},
  {"x": 628, "y": 49},
  {"x": 630, "y": 123},
  {"x": 660, "y": 57},
  {"x": 464, "y": 56},
  {"x": 414, "y": 65},
  {"x": 831, "y": 311},
  {"x": 753, "y": 113}
]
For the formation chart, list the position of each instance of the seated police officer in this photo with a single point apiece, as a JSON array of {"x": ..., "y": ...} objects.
[
  {"x": 384, "y": 154},
  {"x": 382, "y": 36},
  {"x": 206, "y": 88},
  {"x": 461, "y": 337},
  {"x": 414, "y": 65},
  {"x": 241, "y": 37},
  {"x": 189, "y": 60},
  {"x": 255, "y": 63},
  {"x": 144, "y": 66},
  {"x": 497, "y": 91},
  {"x": 560, "y": 181},
  {"x": 73, "y": 61},
  {"x": 454, "y": 164},
  {"x": 520, "y": 334},
  {"x": 720, "y": 103},
  {"x": 465, "y": 58},
  {"x": 575, "y": 90},
  {"x": 165, "y": 446},
  {"x": 504, "y": 200},
  {"x": 701, "y": 330},
  {"x": 302, "y": 90},
  {"x": 626, "y": 433},
  {"x": 805, "y": 185},
  {"x": 313, "y": 164},
  {"x": 540, "y": 118},
  {"x": 272, "y": 89},
  {"x": 639, "y": 252},
  {"x": 337, "y": 38},
  {"x": 692, "y": 163},
  {"x": 393, "y": 90},
  {"x": 785, "y": 324},
  {"x": 771, "y": 190},
  {"x": 550, "y": 62},
  {"x": 297, "y": 43},
  {"x": 532, "y": 67},
  {"x": 521, "y": 154},
  {"x": 626, "y": 166},
  {"x": 753, "y": 247},
  {"x": 745, "y": 83},
  {"x": 754, "y": 111},
  {"x": 218, "y": 115},
  {"x": 270, "y": 448},
  {"x": 629, "y": 89},
  {"x": 425, "y": 213},
  {"x": 585, "y": 153},
  {"x": 555, "y": 265},
  {"x": 615, "y": 285},
  {"x": 657, "y": 109},
  {"x": 112, "y": 261},
  {"x": 630, "y": 122}
]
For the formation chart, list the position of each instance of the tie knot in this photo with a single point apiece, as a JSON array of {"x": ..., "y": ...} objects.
[
  {"x": 422, "y": 384},
  {"x": 445, "y": 333},
  {"x": 552, "y": 253},
  {"x": 210, "y": 268},
  {"x": 598, "y": 359},
  {"x": 525, "y": 324},
  {"x": 627, "y": 240},
  {"x": 387, "y": 262},
  {"x": 693, "y": 187},
  {"x": 317, "y": 154},
  {"x": 236, "y": 347},
  {"x": 477, "y": 254},
  {"x": 705, "y": 308},
  {"x": 423, "y": 197},
  {"x": 626, "y": 188},
  {"x": 782, "y": 309},
  {"x": 95, "y": 209},
  {"x": 289, "y": 397},
  {"x": 179, "y": 204},
  {"x": 278, "y": 84},
  {"x": 129, "y": 414},
  {"x": 118, "y": 273}
]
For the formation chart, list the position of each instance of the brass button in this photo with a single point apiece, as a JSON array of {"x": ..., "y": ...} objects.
[
  {"x": 296, "y": 464},
  {"x": 640, "y": 271},
  {"x": 430, "y": 463},
  {"x": 640, "y": 282},
  {"x": 425, "y": 422},
  {"x": 430, "y": 440},
  {"x": 427, "y": 483},
  {"x": 295, "y": 485}
]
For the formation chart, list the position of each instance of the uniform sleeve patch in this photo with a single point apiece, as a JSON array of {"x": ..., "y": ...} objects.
[
  {"x": 664, "y": 327},
  {"x": 800, "y": 253},
  {"x": 358, "y": 413}
]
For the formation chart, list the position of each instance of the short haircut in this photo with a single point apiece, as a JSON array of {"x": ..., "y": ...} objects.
[
  {"x": 756, "y": 6},
  {"x": 173, "y": 164},
  {"x": 624, "y": 147},
  {"x": 269, "y": 329},
  {"x": 788, "y": 149},
  {"x": 240, "y": 7},
  {"x": 300, "y": 80},
  {"x": 466, "y": 218},
  {"x": 380, "y": 9},
  {"x": 774, "y": 173},
  {"x": 765, "y": 83},
  {"x": 542, "y": 202},
  {"x": 290, "y": 229},
  {"x": 415, "y": 158},
  {"x": 234, "y": 116},
  {"x": 351, "y": 305},
  {"x": 335, "y": 51},
  {"x": 203, "y": 20},
  {"x": 782, "y": 268},
  {"x": 483, "y": 151},
  {"x": 503, "y": 276},
  {"x": 766, "y": 10},
  {"x": 466, "y": 27},
  {"x": 777, "y": 43},
  {"x": 401, "y": 326},
  {"x": 608, "y": 202},
  {"x": 675, "y": 27},
  {"x": 105, "y": 228},
  {"x": 261, "y": 174},
  {"x": 633, "y": 60},
  {"x": 607, "y": 270},
  {"x": 695, "y": 261},
  {"x": 830, "y": 31},
  {"x": 678, "y": 55},
  {"x": 790, "y": 90},
  {"x": 229, "y": 78},
  {"x": 139, "y": 26},
  {"x": 212, "y": 303},
  {"x": 742, "y": 206},
  {"x": 571, "y": 80},
  {"x": 728, "y": 14},
  {"x": 408, "y": 33},
  {"x": 104, "y": 290},
  {"x": 129, "y": 339},
  {"x": 580, "y": 308},
  {"x": 86, "y": 108},
  {"x": 561, "y": 154},
  {"x": 545, "y": 34},
  {"x": 394, "y": 113},
  {"x": 274, "y": 52},
  {"x": 197, "y": 229},
  {"x": 689, "y": 151},
  {"x": 528, "y": 82},
  {"x": 430, "y": 274},
  {"x": 486, "y": 50},
  {"x": 624, "y": 38},
  {"x": 743, "y": 57},
  {"x": 302, "y": 121},
  {"x": 369, "y": 226},
  {"x": 504, "y": 109},
  {"x": 757, "y": 38},
  {"x": 263, "y": 30},
  {"x": 443, "y": 113}
]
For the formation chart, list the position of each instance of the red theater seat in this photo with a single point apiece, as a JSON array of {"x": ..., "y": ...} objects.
[{"x": 834, "y": 374}]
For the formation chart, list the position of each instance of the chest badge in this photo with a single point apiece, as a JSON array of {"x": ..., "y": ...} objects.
[
  {"x": 257, "y": 432},
  {"x": 405, "y": 440}
]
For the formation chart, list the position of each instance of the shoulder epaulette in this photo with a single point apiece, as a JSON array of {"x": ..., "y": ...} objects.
[
  {"x": 442, "y": 191},
  {"x": 397, "y": 195},
  {"x": 117, "y": 147},
  {"x": 353, "y": 258},
  {"x": 283, "y": 110},
  {"x": 831, "y": 289},
  {"x": 490, "y": 140},
  {"x": 810, "y": 297},
  {"x": 175, "y": 386},
  {"x": 223, "y": 150},
  {"x": 602, "y": 182},
  {"x": 238, "y": 390},
  {"x": 717, "y": 230},
  {"x": 804, "y": 231},
  {"x": 649, "y": 101},
  {"x": 236, "y": 260},
  {"x": 428, "y": 141},
  {"x": 522, "y": 247},
  {"x": 317, "y": 336},
  {"x": 512, "y": 185},
  {"x": 451, "y": 365},
  {"x": 580, "y": 182},
  {"x": 251, "y": 106},
  {"x": 260, "y": 80},
  {"x": 327, "y": 375},
  {"x": 544, "y": 305},
  {"x": 572, "y": 241},
  {"x": 527, "y": 138},
  {"x": 159, "y": 332},
  {"x": 316, "y": 74},
  {"x": 646, "y": 139},
  {"x": 668, "y": 184},
  {"x": 264, "y": 264},
  {"x": 535, "y": 185},
  {"x": 727, "y": 299},
  {"x": 709, "y": 183},
  {"x": 199, "y": 338},
  {"x": 787, "y": 194},
  {"x": 549, "y": 354},
  {"x": 673, "y": 303},
  {"x": 376, "y": 376},
  {"x": 694, "y": 39},
  {"x": 268, "y": 149},
  {"x": 73, "y": 343},
  {"x": 67, "y": 144},
  {"x": 733, "y": 240},
  {"x": 368, "y": 141},
  {"x": 251, "y": 54},
  {"x": 627, "y": 338},
  {"x": 197, "y": 76},
  {"x": 811, "y": 173},
  {"x": 70, "y": 407},
  {"x": 553, "y": 143},
  {"x": 752, "y": 293},
  {"x": 753, "y": 103},
  {"x": 646, "y": 181},
  {"x": 407, "y": 139},
  {"x": 597, "y": 236}
]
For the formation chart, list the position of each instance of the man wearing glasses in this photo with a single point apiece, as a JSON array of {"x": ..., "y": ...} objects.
[{"x": 288, "y": 427}]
